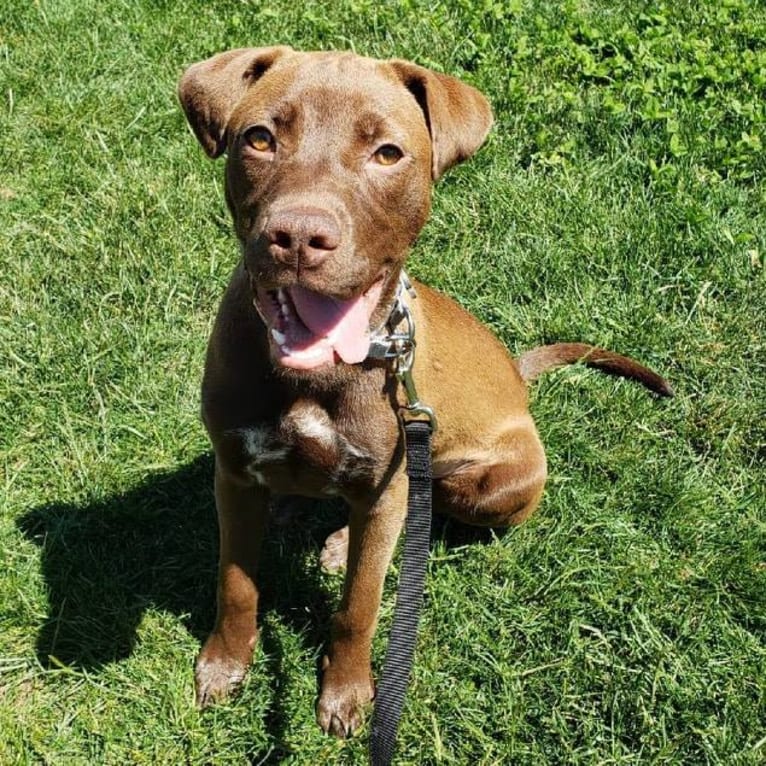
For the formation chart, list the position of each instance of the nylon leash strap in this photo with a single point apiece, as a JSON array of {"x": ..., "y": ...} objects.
[{"x": 389, "y": 697}]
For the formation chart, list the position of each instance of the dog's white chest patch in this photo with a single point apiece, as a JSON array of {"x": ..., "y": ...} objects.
[
  {"x": 305, "y": 448},
  {"x": 262, "y": 448},
  {"x": 311, "y": 422}
]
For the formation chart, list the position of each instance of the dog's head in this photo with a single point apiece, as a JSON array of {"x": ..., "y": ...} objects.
[{"x": 330, "y": 159}]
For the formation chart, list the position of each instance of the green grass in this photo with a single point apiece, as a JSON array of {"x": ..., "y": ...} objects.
[{"x": 619, "y": 200}]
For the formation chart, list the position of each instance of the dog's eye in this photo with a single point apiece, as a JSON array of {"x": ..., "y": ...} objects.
[
  {"x": 260, "y": 139},
  {"x": 388, "y": 154}
]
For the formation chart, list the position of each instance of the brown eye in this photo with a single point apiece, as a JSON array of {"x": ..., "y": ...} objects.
[
  {"x": 388, "y": 154},
  {"x": 260, "y": 139}
]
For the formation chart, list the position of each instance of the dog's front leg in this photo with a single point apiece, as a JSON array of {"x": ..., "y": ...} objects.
[
  {"x": 242, "y": 517},
  {"x": 347, "y": 683}
]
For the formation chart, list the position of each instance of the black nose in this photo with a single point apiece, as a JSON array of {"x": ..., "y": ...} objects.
[{"x": 302, "y": 236}]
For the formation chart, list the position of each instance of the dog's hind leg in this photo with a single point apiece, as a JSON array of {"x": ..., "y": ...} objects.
[{"x": 495, "y": 486}]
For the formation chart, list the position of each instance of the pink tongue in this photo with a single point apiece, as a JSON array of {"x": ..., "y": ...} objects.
[{"x": 347, "y": 322}]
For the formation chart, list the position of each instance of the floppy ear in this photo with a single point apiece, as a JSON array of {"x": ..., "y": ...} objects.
[
  {"x": 457, "y": 115},
  {"x": 209, "y": 90}
]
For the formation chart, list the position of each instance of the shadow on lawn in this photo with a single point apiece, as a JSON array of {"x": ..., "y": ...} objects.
[
  {"x": 156, "y": 546},
  {"x": 107, "y": 561}
]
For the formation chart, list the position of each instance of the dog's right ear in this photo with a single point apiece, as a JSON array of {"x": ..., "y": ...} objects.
[{"x": 209, "y": 90}]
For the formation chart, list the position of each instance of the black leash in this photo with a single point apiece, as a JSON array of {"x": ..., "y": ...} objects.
[{"x": 389, "y": 697}]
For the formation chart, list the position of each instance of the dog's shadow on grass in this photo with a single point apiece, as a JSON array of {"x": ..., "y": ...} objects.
[
  {"x": 106, "y": 561},
  {"x": 155, "y": 546}
]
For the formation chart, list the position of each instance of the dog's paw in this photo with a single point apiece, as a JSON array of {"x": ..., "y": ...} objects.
[
  {"x": 217, "y": 677},
  {"x": 335, "y": 551},
  {"x": 340, "y": 710}
]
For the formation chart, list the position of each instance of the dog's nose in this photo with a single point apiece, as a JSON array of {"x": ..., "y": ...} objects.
[{"x": 302, "y": 236}]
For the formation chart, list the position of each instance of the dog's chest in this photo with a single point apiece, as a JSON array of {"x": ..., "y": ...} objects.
[{"x": 304, "y": 453}]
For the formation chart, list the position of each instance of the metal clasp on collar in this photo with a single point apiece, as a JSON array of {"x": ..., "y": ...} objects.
[{"x": 403, "y": 353}]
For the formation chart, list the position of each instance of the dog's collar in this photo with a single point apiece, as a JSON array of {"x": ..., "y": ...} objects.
[
  {"x": 395, "y": 341},
  {"x": 391, "y": 338}
]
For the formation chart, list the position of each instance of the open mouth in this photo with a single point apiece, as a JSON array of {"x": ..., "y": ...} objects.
[{"x": 309, "y": 330}]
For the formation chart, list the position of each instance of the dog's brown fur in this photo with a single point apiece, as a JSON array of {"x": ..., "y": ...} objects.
[{"x": 334, "y": 430}]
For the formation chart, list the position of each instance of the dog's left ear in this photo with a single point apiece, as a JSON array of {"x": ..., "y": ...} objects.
[{"x": 458, "y": 116}]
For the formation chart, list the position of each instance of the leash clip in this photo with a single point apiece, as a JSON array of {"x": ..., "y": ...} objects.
[{"x": 403, "y": 353}]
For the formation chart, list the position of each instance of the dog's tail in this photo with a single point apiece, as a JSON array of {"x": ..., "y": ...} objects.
[{"x": 543, "y": 358}]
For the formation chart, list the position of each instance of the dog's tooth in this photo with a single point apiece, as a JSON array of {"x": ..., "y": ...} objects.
[
  {"x": 286, "y": 350},
  {"x": 306, "y": 354},
  {"x": 279, "y": 337},
  {"x": 281, "y": 297}
]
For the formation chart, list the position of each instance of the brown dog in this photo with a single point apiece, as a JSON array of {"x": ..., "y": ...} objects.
[{"x": 330, "y": 159}]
